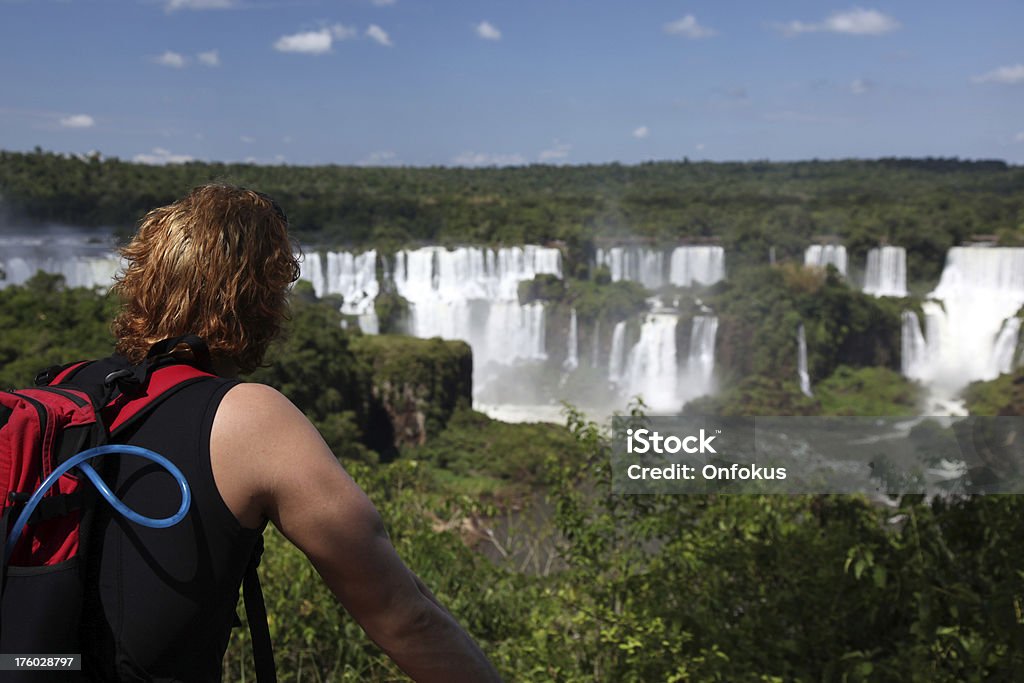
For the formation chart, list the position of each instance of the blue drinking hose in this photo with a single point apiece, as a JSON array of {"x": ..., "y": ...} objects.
[{"x": 79, "y": 460}]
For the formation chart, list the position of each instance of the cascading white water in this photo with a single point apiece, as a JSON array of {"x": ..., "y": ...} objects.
[
  {"x": 81, "y": 263},
  {"x": 697, "y": 265},
  {"x": 472, "y": 294},
  {"x": 886, "y": 272},
  {"x": 687, "y": 265},
  {"x": 636, "y": 264},
  {"x": 311, "y": 269},
  {"x": 353, "y": 276},
  {"x": 1006, "y": 346},
  {"x": 969, "y": 329},
  {"x": 617, "y": 355},
  {"x": 595, "y": 344},
  {"x": 701, "y": 360},
  {"x": 913, "y": 348},
  {"x": 652, "y": 368},
  {"x": 801, "y": 362},
  {"x": 572, "y": 353},
  {"x": 821, "y": 255}
]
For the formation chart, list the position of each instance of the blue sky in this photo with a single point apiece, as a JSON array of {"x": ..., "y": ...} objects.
[{"x": 501, "y": 82}]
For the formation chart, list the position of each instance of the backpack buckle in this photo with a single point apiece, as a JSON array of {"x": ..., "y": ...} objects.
[{"x": 127, "y": 380}]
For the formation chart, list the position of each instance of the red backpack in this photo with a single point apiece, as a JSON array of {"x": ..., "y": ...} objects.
[{"x": 47, "y": 430}]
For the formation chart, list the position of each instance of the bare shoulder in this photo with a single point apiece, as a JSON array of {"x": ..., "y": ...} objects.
[
  {"x": 247, "y": 400},
  {"x": 258, "y": 437}
]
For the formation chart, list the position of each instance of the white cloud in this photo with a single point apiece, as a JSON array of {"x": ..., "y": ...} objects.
[
  {"x": 558, "y": 153},
  {"x": 689, "y": 28},
  {"x": 307, "y": 42},
  {"x": 342, "y": 32},
  {"x": 488, "y": 31},
  {"x": 860, "y": 86},
  {"x": 171, "y": 59},
  {"x": 210, "y": 58},
  {"x": 699, "y": 147},
  {"x": 1004, "y": 74},
  {"x": 378, "y": 34},
  {"x": 160, "y": 156},
  {"x": 247, "y": 140},
  {"x": 482, "y": 159},
  {"x": 855, "y": 22},
  {"x": 174, "y": 5},
  {"x": 641, "y": 132},
  {"x": 382, "y": 3},
  {"x": 78, "y": 121},
  {"x": 1019, "y": 137}
]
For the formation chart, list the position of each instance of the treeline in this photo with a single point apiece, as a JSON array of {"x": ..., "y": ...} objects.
[{"x": 926, "y": 205}]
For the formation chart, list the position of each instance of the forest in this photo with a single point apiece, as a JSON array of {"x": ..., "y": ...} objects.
[
  {"x": 514, "y": 526},
  {"x": 925, "y": 205}
]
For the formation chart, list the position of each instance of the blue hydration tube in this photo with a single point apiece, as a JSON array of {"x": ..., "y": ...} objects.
[{"x": 97, "y": 481}]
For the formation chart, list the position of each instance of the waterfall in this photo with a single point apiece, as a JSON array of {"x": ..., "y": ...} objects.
[
  {"x": 700, "y": 265},
  {"x": 801, "y": 362},
  {"x": 572, "y": 353},
  {"x": 886, "y": 272},
  {"x": 77, "y": 271},
  {"x": 701, "y": 362},
  {"x": 1006, "y": 346},
  {"x": 652, "y": 370},
  {"x": 646, "y": 266},
  {"x": 81, "y": 263},
  {"x": 311, "y": 269},
  {"x": 595, "y": 344},
  {"x": 913, "y": 349},
  {"x": 353, "y": 276},
  {"x": 472, "y": 294},
  {"x": 821, "y": 255},
  {"x": 688, "y": 265},
  {"x": 970, "y": 334},
  {"x": 616, "y": 358}
]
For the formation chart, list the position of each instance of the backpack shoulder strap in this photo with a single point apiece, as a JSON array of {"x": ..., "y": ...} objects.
[
  {"x": 58, "y": 374},
  {"x": 256, "y": 615},
  {"x": 126, "y": 409}
]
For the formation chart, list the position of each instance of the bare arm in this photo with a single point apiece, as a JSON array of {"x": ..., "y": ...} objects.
[{"x": 282, "y": 470}]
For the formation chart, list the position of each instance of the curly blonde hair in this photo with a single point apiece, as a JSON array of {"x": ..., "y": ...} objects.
[{"x": 216, "y": 263}]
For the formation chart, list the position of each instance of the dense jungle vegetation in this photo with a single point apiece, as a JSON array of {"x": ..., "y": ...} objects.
[
  {"x": 514, "y": 528},
  {"x": 925, "y": 205}
]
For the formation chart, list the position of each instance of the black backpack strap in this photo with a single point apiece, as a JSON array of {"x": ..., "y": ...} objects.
[
  {"x": 256, "y": 615},
  {"x": 58, "y": 374},
  {"x": 198, "y": 348}
]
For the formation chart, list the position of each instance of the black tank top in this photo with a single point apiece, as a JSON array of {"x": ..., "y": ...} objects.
[{"x": 160, "y": 603}]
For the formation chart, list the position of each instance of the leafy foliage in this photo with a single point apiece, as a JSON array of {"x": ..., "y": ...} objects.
[
  {"x": 926, "y": 205},
  {"x": 45, "y": 323}
]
